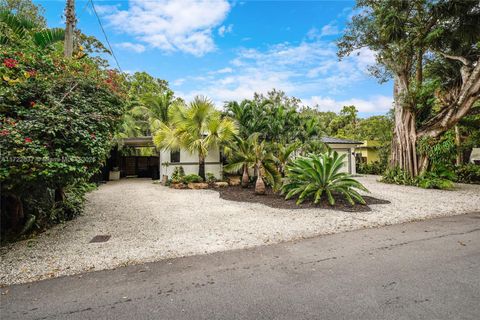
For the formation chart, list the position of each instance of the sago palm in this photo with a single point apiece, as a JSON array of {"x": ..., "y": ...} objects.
[
  {"x": 197, "y": 127},
  {"x": 315, "y": 175}
]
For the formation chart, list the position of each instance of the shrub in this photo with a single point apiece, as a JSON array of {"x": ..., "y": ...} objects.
[
  {"x": 468, "y": 173},
  {"x": 371, "y": 168},
  {"x": 439, "y": 178},
  {"x": 398, "y": 176},
  {"x": 210, "y": 177},
  {"x": 189, "y": 178},
  {"x": 313, "y": 176},
  {"x": 178, "y": 174}
]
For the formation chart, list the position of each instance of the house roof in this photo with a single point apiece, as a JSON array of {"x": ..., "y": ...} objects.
[
  {"x": 333, "y": 140},
  {"x": 145, "y": 141}
]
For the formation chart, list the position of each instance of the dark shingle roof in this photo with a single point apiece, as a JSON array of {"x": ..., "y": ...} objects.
[{"x": 326, "y": 139}]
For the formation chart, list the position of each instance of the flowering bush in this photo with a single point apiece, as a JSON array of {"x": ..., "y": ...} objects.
[{"x": 57, "y": 119}]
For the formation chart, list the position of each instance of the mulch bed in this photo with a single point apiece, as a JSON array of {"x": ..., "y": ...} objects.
[{"x": 273, "y": 200}]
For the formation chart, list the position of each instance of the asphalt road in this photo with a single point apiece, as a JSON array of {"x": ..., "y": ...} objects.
[{"x": 423, "y": 270}]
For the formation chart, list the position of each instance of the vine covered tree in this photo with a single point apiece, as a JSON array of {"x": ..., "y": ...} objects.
[{"x": 431, "y": 50}]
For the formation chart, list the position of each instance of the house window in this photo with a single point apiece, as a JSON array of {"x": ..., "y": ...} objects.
[{"x": 175, "y": 156}]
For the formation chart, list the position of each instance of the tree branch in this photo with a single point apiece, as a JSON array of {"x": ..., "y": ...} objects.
[{"x": 458, "y": 58}]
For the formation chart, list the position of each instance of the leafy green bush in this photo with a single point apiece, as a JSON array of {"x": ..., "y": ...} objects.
[
  {"x": 468, "y": 173},
  {"x": 315, "y": 175},
  {"x": 439, "y": 178},
  {"x": 210, "y": 177},
  {"x": 178, "y": 174},
  {"x": 189, "y": 178},
  {"x": 398, "y": 176},
  {"x": 371, "y": 168}
]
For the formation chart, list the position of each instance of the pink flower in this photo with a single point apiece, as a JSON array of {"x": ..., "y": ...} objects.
[
  {"x": 32, "y": 104},
  {"x": 4, "y": 132},
  {"x": 10, "y": 63},
  {"x": 28, "y": 140}
]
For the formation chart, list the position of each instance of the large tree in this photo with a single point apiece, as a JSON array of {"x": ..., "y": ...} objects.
[{"x": 408, "y": 37}]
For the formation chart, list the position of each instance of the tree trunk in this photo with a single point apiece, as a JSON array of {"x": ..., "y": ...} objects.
[
  {"x": 201, "y": 166},
  {"x": 15, "y": 212},
  {"x": 70, "y": 21},
  {"x": 458, "y": 144},
  {"x": 259, "y": 184},
  {"x": 404, "y": 139},
  {"x": 245, "y": 178}
]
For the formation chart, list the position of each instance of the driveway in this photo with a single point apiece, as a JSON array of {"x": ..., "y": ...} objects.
[
  {"x": 148, "y": 222},
  {"x": 422, "y": 270}
]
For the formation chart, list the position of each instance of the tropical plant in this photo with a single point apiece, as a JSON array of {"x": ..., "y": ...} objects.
[
  {"x": 284, "y": 153},
  {"x": 468, "y": 173},
  {"x": 253, "y": 153},
  {"x": 178, "y": 174},
  {"x": 313, "y": 176},
  {"x": 17, "y": 28},
  {"x": 154, "y": 109},
  {"x": 241, "y": 156},
  {"x": 192, "y": 178},
  {"x": 197, "y": 128}
]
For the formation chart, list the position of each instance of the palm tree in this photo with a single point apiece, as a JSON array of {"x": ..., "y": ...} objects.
[
  {"x": 284, "y": 153},
  {"x": 253, "y": 153},
  {"x": 16, "y": 28},
  {"x": 197, "y": 127},
  {"x": 242, "y": 157},
  {"x": 154, "y": 108}
]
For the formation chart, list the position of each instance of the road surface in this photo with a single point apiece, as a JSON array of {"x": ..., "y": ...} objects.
[{"x": 422, "y": 270}]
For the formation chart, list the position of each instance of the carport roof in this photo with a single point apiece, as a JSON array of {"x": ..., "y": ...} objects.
[{"x": 145, "y": 141}]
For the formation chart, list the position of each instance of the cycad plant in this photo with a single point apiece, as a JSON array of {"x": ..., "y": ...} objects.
[
  {"x": 253, "y": 153},
  {"x": 197, "y": 128},
  {"x": 315, "y": 175}
]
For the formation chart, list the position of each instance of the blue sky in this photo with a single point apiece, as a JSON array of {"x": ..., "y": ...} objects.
[{"x": 227, "y": 50}]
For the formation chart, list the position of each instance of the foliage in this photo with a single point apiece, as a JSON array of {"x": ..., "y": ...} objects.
[
  {"x": 441, "y": 178},
  {"x": 317, "y": 175},
  {"x": 192, "y": 178},
  {"x": 196, "y": 128},
  {"x": 398, "y": 176},
  {"x": 440, "y": 151},
  {"x": 210, "y": 177},
  {"x": 468, "y": 173},
  {"x": 57, "y": 120},
  {"x": 375, "y": 167},
  {"x": 178, "y": 174},
  {"x": 253, "y": 153}
]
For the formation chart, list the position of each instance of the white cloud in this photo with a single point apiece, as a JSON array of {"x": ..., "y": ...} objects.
[
  {"x": 136, "y": 47},
  {"x": 308, "y": 70},
  {"x": 170, "y": 25},
  {"x": 377, "y": 103},
  {"x": 225, "y": 29}
]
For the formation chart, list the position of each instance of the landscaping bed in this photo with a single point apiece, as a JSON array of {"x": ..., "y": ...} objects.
[{"x": 275, "y": 200}]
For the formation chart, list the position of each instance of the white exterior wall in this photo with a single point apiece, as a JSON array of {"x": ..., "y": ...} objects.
[
  {"x": 350, "y": 151},
  {"x": 189, "y": 162}
]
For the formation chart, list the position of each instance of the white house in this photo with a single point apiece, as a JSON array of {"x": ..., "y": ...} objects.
[
  {"x": 189, "y": 161},
  {"x": 169, "y": 159}
]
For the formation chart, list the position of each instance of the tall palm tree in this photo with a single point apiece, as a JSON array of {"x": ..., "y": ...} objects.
[
  {"x": 197, "y": 127},
  {"x": 154, "y": 108},
  {"x": 253, "y": 153}
]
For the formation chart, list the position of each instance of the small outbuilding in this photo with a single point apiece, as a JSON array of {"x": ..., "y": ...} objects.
[{"x": 344, "y": 146}]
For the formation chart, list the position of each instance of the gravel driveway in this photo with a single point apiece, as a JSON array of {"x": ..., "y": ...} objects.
[{"x": 150, "y": 222}]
